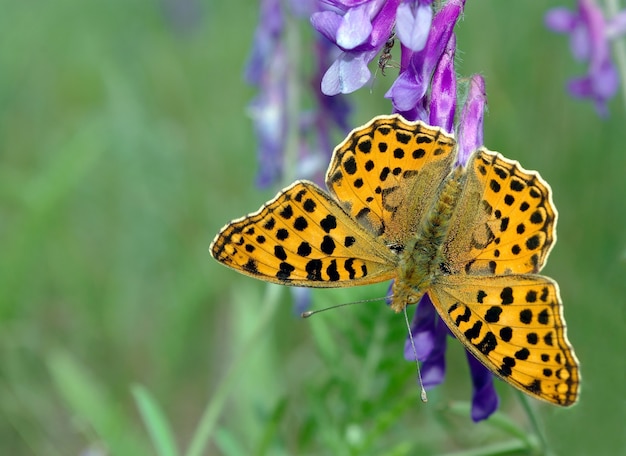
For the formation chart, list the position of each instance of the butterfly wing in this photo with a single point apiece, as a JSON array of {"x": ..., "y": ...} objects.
[
  {"x": 511, "y": 215},
  {"x": 383, "y": 174},
  {"x": 514, "y": 326},
  {"x": 303, "y": 238}
]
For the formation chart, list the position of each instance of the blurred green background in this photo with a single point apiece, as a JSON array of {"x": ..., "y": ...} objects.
[{"x": 124, "y": 148}]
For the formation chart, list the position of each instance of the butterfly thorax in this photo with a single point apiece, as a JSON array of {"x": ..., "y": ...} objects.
[{"x": 422, "y": 259}]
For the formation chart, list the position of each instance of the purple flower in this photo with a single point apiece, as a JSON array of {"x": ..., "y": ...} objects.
[
  {"x": 470, "y": 128},
  {"x": 267, "y": 37},
  {"x": 590, "y": 35},
  {"x": 267, "y": 68},
  {"x": 360, "y": 29},
  {"x": 430, "y": 334},
  {"x": 442, "y": 106},
  {"x": 301, "y": 300},
  {"x": 485, "y": 400},
  {"x": 268, "y": 113},
  {"x": 270, "y": 68},
  {"x": 413, "y": 22},
  {"x": 416, "y": 69}
]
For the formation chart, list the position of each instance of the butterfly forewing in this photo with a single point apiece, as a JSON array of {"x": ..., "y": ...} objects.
[
  {"x": 513, "y": 325},
  {"x": 385, "y": 174},
  {"x": 512, "y": 217},
  {"x": 302, "y": 237}
]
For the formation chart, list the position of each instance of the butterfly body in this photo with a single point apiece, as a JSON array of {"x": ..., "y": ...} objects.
[
  {"x": 473, "y": 237},
  {"x": 423, "y": 259}
]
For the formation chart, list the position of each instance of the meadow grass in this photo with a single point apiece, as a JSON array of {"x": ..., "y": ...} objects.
[{"x": 125, "y": 147}]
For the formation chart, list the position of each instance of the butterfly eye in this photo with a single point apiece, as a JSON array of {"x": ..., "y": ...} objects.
[
  {"x": 412, "y": 299},
  {"x": 396, "y": 248}
]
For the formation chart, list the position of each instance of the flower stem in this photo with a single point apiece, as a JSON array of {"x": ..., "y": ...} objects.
[
  {"x": 214, "y": 407},
  {"x": 619, "y": 46},
  {"x": 292, "y": 41},
  {"x": 534, "y": 422}
]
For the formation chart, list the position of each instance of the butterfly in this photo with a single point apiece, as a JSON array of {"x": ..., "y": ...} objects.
[{"x": 472, "y": 237}]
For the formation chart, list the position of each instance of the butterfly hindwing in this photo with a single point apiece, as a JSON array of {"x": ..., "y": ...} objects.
[
  {"x": 514, "y": 326},
  {"x": 303, "y": 238}
]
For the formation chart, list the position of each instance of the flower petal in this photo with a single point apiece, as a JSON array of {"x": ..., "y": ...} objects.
[
  {"x": 423, "y": 330},
  {"x": 616, "y": 26},
  {"x": 413, "y": 25},
  {"x": 485, "y": 400},
  {"x": 561, "y": 20},
  {"x": 383, "y": 23},
  {"x": 443, "y": 90},
  {"x": 434, "y": 367},
  {"x": 301, "y": 299},
  {"x": 327, "y": 23},
  {"x": 470, "y": 127},
  {"x": 406, "y": 91},
  {"x": 411, "y": 86},
  {"x": 348, "y": 73},
  {"x": 605, "y": 81},
  {"x": 355, "y": 28}
]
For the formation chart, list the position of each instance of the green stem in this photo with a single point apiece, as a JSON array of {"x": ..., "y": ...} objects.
[
  {"x": 619, "y": 47},
  {"x": 292, "y": 108},
  {"x": 223, "y": 391},
  {"x": 510, "y": 447},
  {"x": 534, "y": 422}
]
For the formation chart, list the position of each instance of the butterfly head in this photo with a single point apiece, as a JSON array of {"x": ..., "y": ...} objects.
[{"x": 403, "y": 295}]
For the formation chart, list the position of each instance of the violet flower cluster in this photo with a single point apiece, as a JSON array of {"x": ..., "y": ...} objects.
[
  {"x": 425, "y": 89},
  {"x": 271, "y": 68},
  {"x": 591, "y": 34}
]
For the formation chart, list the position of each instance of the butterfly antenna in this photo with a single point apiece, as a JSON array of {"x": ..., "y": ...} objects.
[
  {"x": 310, "y": 313},
  {"x": 417, "y": 364}
]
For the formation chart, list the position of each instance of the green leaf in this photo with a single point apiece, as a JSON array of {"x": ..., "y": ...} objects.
[
  {"x": 228, "y": 443},
  {"x": 92, "y": 404},
  {"x": 155, "y": 421},
  {"x": 271, "y": 428}
]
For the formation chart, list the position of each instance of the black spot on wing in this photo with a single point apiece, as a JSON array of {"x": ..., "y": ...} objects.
[
  {"x": 365, "y": 146},
  {"x": 314, "y": 270},
  {"x": 487, "y": 344},
  {"x": 493, "y": 314},
  {"x": 300, "y": 224},
  {"x": 328, "y": 223},
  {"x": 251, "y": 267},
  {"x": 506, "y": 333},
  {"x": 279, "y": 252},
  {"x": 350, "y": 165},
  {"x": 474, "y": 331},
  {"x": 332, "y": 272},
  {"x": 286, "y": 212},
  {"x": 309, "y": 205},
  {"x": 506, "y": 295},
  {"x": 328, "y": 245},
  {"x": 284, "y": 271},
  {"x": 463, "y": 318},
  {"x": 304, "y": 249}
]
